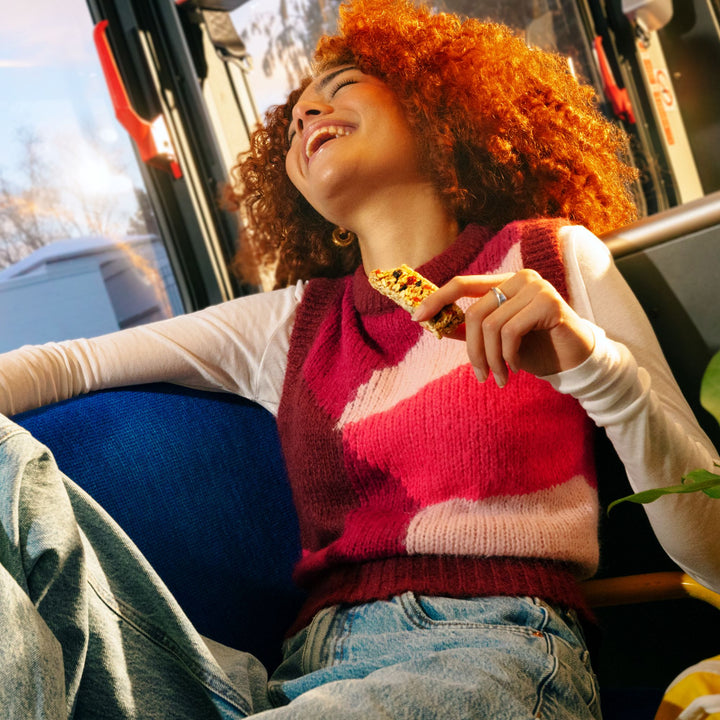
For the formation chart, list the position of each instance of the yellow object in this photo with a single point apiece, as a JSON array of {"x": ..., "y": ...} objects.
[{"x": 694, "y": 694}]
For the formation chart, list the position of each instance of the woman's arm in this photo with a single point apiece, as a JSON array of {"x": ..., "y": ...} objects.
[
  {"x": 238, "y": 347},
  {"x": 627, "y": 388},
  {"x": 600, "y": 349}
]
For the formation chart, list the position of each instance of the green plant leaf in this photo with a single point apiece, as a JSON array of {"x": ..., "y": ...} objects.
[
  {"x": 710, "y": 481},
  {"x": 710, "y": 387},
  {"x": 698, "y": 480}
]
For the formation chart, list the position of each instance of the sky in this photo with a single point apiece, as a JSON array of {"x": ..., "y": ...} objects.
[
  {"x": 24, "y": 39},
  {"x": 51, "y": 85},
  {"x": 44, "y": 63},
  {"x": 50, "y": 80}
]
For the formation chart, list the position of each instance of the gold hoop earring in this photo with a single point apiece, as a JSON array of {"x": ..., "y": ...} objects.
[{"x": 342, "y": 237}]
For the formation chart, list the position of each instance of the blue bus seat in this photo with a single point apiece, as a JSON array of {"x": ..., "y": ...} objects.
[{"x": 197, "y": 481}]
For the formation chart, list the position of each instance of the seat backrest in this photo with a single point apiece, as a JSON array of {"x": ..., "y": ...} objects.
[
  {"x": 672, "y": 263},
  {"x": 678, "y": 283},
  {"x": 198, "y": 482}
]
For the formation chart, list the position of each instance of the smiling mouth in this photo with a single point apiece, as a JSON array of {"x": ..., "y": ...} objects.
[{"x": 322, "y": 135}]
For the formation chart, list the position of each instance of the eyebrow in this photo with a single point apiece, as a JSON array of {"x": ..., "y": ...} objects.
[{"x": 326, "y": 79}]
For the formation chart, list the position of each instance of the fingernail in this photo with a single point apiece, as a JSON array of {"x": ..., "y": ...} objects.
[
  {"x": 480, "y": 374},
  {"x": 500, "y": 381}
]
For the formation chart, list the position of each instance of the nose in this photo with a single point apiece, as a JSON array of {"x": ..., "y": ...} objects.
[{"x": 305, "y": 110}]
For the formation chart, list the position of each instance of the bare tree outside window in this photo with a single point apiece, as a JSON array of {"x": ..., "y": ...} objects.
[
  {"x": 31, "y": 213},
  {"x": 281, "y": 37},
  {"x": 40, "y": 201}
]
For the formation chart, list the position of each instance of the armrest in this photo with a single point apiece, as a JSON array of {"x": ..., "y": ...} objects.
[{"x": 646, "y": 587}]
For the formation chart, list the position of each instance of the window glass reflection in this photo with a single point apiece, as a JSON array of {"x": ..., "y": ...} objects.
[{"x": 80, "y": 250}]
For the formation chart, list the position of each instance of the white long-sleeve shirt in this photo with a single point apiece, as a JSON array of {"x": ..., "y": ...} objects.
[{"x": 241, "y": 347}]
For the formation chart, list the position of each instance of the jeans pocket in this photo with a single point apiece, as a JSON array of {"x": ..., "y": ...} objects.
[
  {"x": 515, "y": 613},
  {"x": 424, "y": 611}
]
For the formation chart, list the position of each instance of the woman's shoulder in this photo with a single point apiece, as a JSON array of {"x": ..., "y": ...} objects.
[
  {"x": 264, "y": 304},
  {"x": 584, "y": 249}
]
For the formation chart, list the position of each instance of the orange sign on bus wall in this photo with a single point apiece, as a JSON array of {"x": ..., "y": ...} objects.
[{"x": 662, "y": 93}]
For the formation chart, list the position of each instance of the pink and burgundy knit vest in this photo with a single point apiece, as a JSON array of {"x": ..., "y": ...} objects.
[{"x": 409, "y": 474}]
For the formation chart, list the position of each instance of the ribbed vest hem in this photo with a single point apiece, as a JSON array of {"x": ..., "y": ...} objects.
[{"x": 442, "y": 575}]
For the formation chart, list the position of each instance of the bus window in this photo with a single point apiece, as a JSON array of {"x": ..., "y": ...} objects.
[
  {"x": 80, "y": 248},
  {"x": 280, "y": 38},
  {"x": 250, "y": 58}
]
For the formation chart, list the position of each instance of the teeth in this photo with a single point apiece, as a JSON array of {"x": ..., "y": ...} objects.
[{"x": 329, "y": 131}]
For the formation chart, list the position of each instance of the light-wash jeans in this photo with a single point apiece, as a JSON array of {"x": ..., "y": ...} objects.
[{"x": 87, "y": 630}]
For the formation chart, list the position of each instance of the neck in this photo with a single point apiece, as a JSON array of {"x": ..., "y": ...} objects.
[{"x": 403, "y": 227}]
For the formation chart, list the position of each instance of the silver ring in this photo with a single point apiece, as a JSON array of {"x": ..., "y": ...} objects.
[{"x": 499, "y": 295}]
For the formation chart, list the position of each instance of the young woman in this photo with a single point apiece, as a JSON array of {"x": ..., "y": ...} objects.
[{"x": 445, "y": 487}]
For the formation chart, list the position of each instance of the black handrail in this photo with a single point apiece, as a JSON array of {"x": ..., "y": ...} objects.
[{"x": 666, "y": 225}]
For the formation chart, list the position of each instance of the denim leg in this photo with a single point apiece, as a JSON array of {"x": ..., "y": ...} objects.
[
  {"x": 87, "y": 629},
  {"x": 419, "y": 657}
]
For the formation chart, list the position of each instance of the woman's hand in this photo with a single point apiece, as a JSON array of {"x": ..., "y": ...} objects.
[{"x": 534, "y": 329}]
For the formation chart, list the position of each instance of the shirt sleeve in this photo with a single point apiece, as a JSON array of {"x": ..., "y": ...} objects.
[
  {"x": 627, "y": 388},
  {"x": 238, "y": 347}
]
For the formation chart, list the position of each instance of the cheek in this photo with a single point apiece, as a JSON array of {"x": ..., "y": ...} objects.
[{"x": 291, "y": 166}]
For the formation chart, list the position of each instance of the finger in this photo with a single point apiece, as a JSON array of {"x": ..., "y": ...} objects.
[
  {"x": 458, "y": 287},
  {"x": 525, "y": 317},
  {"x": 483, "y": 322},
  {"x": 487, "y": 347},
  {"x": 476, "y": 342},
  {"x": 492, "y": 344}
]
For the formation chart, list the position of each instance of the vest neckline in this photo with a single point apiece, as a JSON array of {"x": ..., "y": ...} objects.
[{"x": 440, "y": 269}]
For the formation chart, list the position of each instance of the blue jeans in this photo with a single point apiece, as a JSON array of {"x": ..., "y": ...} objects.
[
  {"x": 87, "y": 630},
  {"x": 418, "y": 657}
]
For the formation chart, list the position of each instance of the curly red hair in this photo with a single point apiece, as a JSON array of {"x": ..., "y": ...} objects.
[{"x": 506, "y": 133}]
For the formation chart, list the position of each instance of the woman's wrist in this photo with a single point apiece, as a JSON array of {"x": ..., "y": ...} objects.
[{"x": 607, "y": 383}]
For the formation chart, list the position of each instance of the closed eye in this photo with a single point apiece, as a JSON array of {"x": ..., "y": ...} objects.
[{"x": 341, "y": 83}]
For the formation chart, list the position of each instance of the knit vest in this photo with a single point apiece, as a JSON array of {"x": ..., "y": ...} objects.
[{"x": 410, "y": 475}]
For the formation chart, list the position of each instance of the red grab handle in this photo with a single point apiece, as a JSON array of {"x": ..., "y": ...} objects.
[
  {"x": 619, "y": 98},
  {"x": 151, "y": 137}
]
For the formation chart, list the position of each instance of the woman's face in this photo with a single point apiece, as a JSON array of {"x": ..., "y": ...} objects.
[{"x": 349, "y": 142}]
